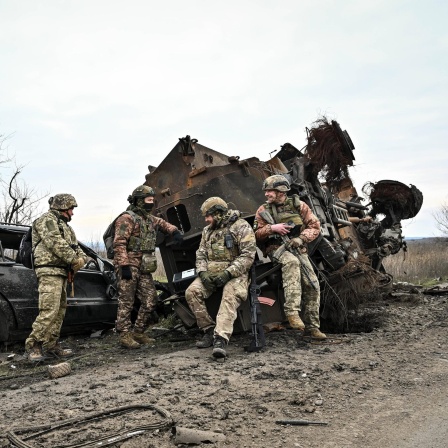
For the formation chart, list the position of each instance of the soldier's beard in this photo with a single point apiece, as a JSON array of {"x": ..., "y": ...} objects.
[
  {"x": 280, "y": 198},
  {"x": 66, "y": 217}
]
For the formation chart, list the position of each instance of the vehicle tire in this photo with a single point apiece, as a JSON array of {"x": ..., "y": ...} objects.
[{"x": 4, "y": 326}]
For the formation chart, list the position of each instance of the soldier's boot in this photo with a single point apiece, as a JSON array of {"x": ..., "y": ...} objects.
[
  {"x": 315, "y": 333},
  {"x": 207, "y": 339},
  {"x": 35, "y": 354},
  {"x": 142, "y": 338},
  {"x": 295, "y": 322},
  {"x": 60, "y": 352},
  {"x": 219, "y": 347},
  {"x": 127, "y": 341}
]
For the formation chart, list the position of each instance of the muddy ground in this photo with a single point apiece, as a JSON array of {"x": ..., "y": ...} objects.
[{"x": 385, "y": 388}]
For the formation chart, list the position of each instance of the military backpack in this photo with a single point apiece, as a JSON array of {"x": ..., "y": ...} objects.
[{"x": 109, "y": 234}]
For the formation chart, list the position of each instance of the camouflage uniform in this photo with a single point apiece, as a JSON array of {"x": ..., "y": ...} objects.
[
  {"x": 55, "y": 248},
  {"x": 295, "y": 284},
  {"x": 134, "y": 246},
  {"x": 213, "y": 256}
]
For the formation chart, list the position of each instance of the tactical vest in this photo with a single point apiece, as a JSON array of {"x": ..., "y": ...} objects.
[
  {"x": 146, "y": 241},
  {"x": 221, "y": 246},
  {"x": 289, "y": 212}
]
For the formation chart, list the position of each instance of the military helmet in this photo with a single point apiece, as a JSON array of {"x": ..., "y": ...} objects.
[
  {"x": 213, "y": 205},
  {"x": 62, "y": 201},
  {"x": 141, "y": 192},
  {"x": 276, "y": 182}
]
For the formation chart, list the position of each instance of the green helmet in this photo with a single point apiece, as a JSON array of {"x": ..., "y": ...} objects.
[
  {"x": 276, "y": 182},
  {"x": 213, "y": 205},
  {"x": 141, "y": 192},
  {"x": 62, "y": 202}
]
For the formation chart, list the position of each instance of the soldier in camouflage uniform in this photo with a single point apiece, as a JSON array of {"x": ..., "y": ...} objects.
[
  {"x": 296, "y": 284},
  {"x": 56, "y": 253},
  {"x": 225, "y": 255},
  {"x": 135, "y": 261}
]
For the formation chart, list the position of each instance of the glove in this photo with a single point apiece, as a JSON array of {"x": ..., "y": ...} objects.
[
  {"x": 126, "y": 273},
  {"x": 77, "y": 264},
  {"x": 222, "y": 278},
  {"x": 207, "y": 279},
  {"x": 296, "y": 242},
  {"x": 178, "y": 238}
]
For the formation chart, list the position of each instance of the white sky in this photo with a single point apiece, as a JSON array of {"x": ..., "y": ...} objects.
[{"x": 95, "y": 91}]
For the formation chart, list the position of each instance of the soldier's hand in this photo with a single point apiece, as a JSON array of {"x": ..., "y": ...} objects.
[
  {"x": 296, "y": 242},
  {"x": 126, "y": 273},
  {"x": 207, "y": 279},
  {"x": 178, "y": 238},
  {"x": 281, "y": 229},
  {"x": 77, "y": 264},
  {"x": 222, "y": 278}
]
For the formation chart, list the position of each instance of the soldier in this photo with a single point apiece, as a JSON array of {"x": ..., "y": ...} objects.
[
  {"x": 135, "y": 261},
  {"x": 223, "y": 260},
  {"x": 297, "y": 283},
  {"x": 56, "y": 254}
]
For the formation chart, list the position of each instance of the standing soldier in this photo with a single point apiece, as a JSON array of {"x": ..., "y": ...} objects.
[
  {"x": 299, "y": 279},
  {"x": 56, "y": 255},
  {"x": 135, "y": 261},
  {"x": 225, "y": 255}
]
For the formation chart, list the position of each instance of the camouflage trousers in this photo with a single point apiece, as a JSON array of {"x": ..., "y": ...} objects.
[
  {"x": 140, "y": 287},
  {"x": 52, "y": 306},
  {"x": 299, "y": 291},
  {"x": 233, "y": 293}
]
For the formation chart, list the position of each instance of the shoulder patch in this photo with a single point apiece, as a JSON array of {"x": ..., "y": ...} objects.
[{"x": 51, "y": 226}]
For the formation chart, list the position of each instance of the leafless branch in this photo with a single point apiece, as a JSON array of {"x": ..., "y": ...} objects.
[{"x": 441, "y": 217}]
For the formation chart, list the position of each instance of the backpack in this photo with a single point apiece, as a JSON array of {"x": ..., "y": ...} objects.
[
  {"x": 109, "y": 234},
  {"x": 26, "y": 256}
]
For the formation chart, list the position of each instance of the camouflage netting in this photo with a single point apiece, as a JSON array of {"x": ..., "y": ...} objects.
[
  {"x": 329, "y": 150},
  {"x": 392, "y": 196},
  {"x": 353, "y": 284}
]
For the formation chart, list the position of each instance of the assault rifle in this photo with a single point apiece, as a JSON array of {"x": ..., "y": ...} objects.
[
  {"x": 258, "y": 338},
  {"x": 287, "y": 246}
]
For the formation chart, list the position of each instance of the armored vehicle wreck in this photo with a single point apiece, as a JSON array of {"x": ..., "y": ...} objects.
[{"x": 354, "y": 239}]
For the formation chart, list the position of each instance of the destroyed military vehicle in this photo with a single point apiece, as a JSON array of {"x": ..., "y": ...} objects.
[{"x": 347, "y": 255}]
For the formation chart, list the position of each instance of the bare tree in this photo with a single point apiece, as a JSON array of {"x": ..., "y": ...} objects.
[
  {"x": 19, "y": 203},
  {"x": 441, "y": 217}
]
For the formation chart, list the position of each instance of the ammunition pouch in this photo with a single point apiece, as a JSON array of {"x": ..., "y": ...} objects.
[
  {"x": 149, "y": 263},
  {"x": 147, "y": 244}
]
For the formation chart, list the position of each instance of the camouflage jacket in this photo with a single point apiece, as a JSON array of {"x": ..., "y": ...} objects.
[
  {"x": 213, "y": 255},
  {"x": 55, "y": 245},
  {"x": 310, "y": 229},
  {"x": 126, "y": 227}
]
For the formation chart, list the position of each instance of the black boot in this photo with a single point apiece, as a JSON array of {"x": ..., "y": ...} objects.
[
  {"x": 207, "y": 339},
  {"x": 219, "y": 347}
]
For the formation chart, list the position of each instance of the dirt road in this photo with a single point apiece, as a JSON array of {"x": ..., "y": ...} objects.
[{"x": 386, "y": 388}]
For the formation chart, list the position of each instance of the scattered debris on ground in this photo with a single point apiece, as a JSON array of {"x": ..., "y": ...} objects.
[{"x": 385, "y": 387}]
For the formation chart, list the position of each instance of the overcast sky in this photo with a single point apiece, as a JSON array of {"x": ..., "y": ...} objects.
[{"x": 95, "y": 91}]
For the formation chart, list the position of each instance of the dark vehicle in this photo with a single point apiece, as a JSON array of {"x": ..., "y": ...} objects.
[
  {"x": 94, "y": 303},
  {"x": 347, "y": 255}
]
